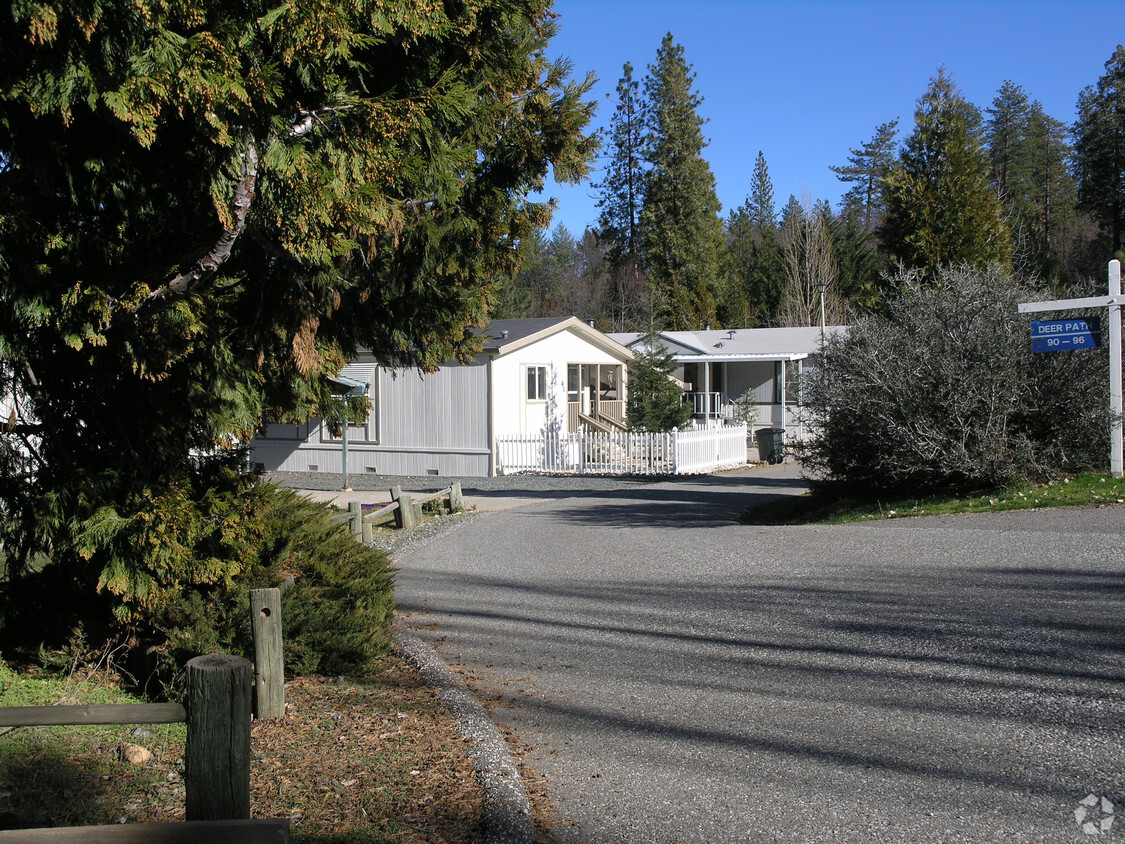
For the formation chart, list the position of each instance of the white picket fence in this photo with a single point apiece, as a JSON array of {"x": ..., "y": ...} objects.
[{"x": 624, "y": 453}]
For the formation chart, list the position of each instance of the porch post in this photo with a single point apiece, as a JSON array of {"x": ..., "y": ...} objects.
[
  {"x": 784, "y": 377},
  {"x": 706, "y": 393}
]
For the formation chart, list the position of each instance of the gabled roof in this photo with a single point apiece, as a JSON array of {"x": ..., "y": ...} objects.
[
  {"x": 735, "y": 344},
  {"x": 507, "y": 335}
]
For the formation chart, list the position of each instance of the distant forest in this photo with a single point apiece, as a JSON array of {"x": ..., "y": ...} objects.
[{"x": 956, "y": 185}]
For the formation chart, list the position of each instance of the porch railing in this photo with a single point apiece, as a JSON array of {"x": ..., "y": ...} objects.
[
  {"x": 609, "y": 409},
  {"x": 637, "y": 453},
  {"x": 700, "y": 406}
]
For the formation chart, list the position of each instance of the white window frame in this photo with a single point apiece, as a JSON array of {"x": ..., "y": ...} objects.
[{"x": 542, "y": 381}]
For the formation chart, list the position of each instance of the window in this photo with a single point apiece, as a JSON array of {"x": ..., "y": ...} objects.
[
  {"x": 365, "y": 433},
  {"x": 273, "y": 431},
  {"x": 537, "y": 383}
]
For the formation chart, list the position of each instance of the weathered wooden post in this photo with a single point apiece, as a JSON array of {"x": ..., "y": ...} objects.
[
  {"x": 217, "y": 752},
  {"x": 456, "y": 499},
  {"x": 355, "y": 510},
  {"x": 405, "y": 514},
  {"x": 368, "y": 532},
  {"x": 269, "y": 661}
]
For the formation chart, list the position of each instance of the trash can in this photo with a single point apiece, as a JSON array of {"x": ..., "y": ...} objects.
[{"x": 771, "y": 444}]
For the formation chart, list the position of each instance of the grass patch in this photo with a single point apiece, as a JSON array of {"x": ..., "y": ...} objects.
[
  {"x": 826, "y": 506},
  {"x": 76, "y": 776}
]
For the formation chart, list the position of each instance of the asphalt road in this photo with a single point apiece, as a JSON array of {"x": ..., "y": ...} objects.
[{"x": 684, "y": 678}]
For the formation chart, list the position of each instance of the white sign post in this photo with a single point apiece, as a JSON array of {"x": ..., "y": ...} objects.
[{"x": 1113, "y": 301}]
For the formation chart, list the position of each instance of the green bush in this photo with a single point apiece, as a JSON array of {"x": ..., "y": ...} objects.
[
  {"x": 336, "y": 608},
  {"x": 336, "y": 605},
  {"x": 944, "y": 393}
]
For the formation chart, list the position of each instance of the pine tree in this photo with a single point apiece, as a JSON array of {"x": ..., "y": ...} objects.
[
  {"x": 756, "y": 265},
  {"x": 656, "y": 403},
  {"x": 1027, "y": 152},
  {"x": 681, "y": 232},
  {"x": 941, "y": 209},
  {"x": 1052, "y": 194},
  {"x": 1099, "y": 151},
  {"x": 622, "y": 189},
  {"x": 867, "y": 168}
]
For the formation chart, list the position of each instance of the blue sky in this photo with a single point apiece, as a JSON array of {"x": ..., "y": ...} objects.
[{"x": 805, "y": 81}]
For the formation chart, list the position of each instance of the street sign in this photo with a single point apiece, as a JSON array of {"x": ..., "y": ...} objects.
[
  {"x": 1063, "y": 335},
  {"x": 1113, "y": 301}
]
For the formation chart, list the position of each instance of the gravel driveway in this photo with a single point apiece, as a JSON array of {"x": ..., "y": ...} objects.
[{"x": 681, "y": 677}]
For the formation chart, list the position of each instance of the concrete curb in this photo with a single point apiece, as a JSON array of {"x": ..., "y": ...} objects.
[{"x": 507, "y": 810}]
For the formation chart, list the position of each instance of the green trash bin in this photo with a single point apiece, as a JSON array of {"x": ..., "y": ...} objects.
[{"x": 771, "y": 444}]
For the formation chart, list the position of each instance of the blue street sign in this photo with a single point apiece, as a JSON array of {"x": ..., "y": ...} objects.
[{"x": 1063, "y": 335}]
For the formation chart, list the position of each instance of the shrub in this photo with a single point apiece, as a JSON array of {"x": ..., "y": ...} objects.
[
  {"x": 944, "y": 393},
  {"x": 335, "y": 613}
]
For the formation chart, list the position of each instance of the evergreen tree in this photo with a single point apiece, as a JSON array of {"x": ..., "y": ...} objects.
[
  {"x": 1028, "y": 151},
  {"x": 735, "y": 307},
  {"x": 1099, "y": 151},
  {"x": 941, "y": 209},
  {"x": 205, "y": 208},
  {"x": 622, "y": 188},
  {"x": 1052, "y": 195},
  {"x": 656, "y": 402},
  {"x": 627, "y": 299},
  {"x": 755, "y": 262},
  {"x": 866, "y": 170},
  {"x": 859, "y": 263},
  {"x": 681, "y": 232},
  {"x": 759, "y": 205}
]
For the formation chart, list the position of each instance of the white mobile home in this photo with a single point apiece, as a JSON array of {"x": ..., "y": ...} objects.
[
  {"x": 532, "y": 376},
  {"x": 719, "y": 367}
]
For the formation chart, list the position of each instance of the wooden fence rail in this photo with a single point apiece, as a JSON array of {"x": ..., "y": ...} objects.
[
  {"x": 405, "y": 507},
  {"x": 216, "y": 756}
]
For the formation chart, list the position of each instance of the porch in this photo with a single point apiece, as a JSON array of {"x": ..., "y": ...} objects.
[
  {"x": 773, "y": 385},
  {"x": 595, "y": 397}
]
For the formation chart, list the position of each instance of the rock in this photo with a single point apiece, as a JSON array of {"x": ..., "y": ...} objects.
[{"x": 134, "y": 754}]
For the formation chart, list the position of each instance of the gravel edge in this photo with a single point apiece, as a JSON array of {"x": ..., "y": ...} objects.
[{"x": 507, "y": 810}]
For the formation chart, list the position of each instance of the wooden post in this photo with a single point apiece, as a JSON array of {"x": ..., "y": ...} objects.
[
  {"x": 355, "y": 510},
  {"x": 405, "y": 514},
  {"x": 217, "y": 751},
  {"x": 368, "y": 533},
  {"x": 456, "y": 499},
  {"x": 269, "y": 661}
]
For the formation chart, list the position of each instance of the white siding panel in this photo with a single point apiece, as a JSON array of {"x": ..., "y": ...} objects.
[{"x": 514, "y": 414}]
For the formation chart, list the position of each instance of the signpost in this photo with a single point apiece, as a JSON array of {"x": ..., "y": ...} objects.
[{"x": 1082, "y": 338}]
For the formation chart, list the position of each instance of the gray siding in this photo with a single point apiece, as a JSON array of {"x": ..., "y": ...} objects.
[
  {"x": 438, "y": 425},
  {"x": 447, "y": 409},
  {"x": 756, "y": 375}
]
